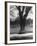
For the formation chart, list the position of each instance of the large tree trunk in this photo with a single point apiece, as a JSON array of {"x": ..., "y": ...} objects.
[{"x": 23, "y": 18}]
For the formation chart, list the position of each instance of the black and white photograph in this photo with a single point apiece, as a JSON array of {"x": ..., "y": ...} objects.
[{"x": 20, "y": 22}]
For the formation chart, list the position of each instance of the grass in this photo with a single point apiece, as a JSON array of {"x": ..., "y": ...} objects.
[{"x": 27, "y": 30}]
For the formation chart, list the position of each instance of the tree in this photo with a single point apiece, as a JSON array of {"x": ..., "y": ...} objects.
[{"x": 23, "y": 18}]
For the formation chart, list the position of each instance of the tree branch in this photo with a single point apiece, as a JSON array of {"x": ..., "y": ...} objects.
[
  {"x": 23, "y": 9},
  {"x": 27, "y": 11}
]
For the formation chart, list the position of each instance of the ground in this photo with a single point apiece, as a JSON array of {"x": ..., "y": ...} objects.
[{"x": 27, "y": 31}]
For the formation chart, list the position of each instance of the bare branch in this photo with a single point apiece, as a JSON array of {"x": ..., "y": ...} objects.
[
  {"x": 18, "y": 7},
  {"x": 23, "y": 9},
  {"x": 27, "y": 11}
]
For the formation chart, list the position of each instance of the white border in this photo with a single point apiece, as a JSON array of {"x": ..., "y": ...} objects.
[{"x": 8, "y": 23}]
